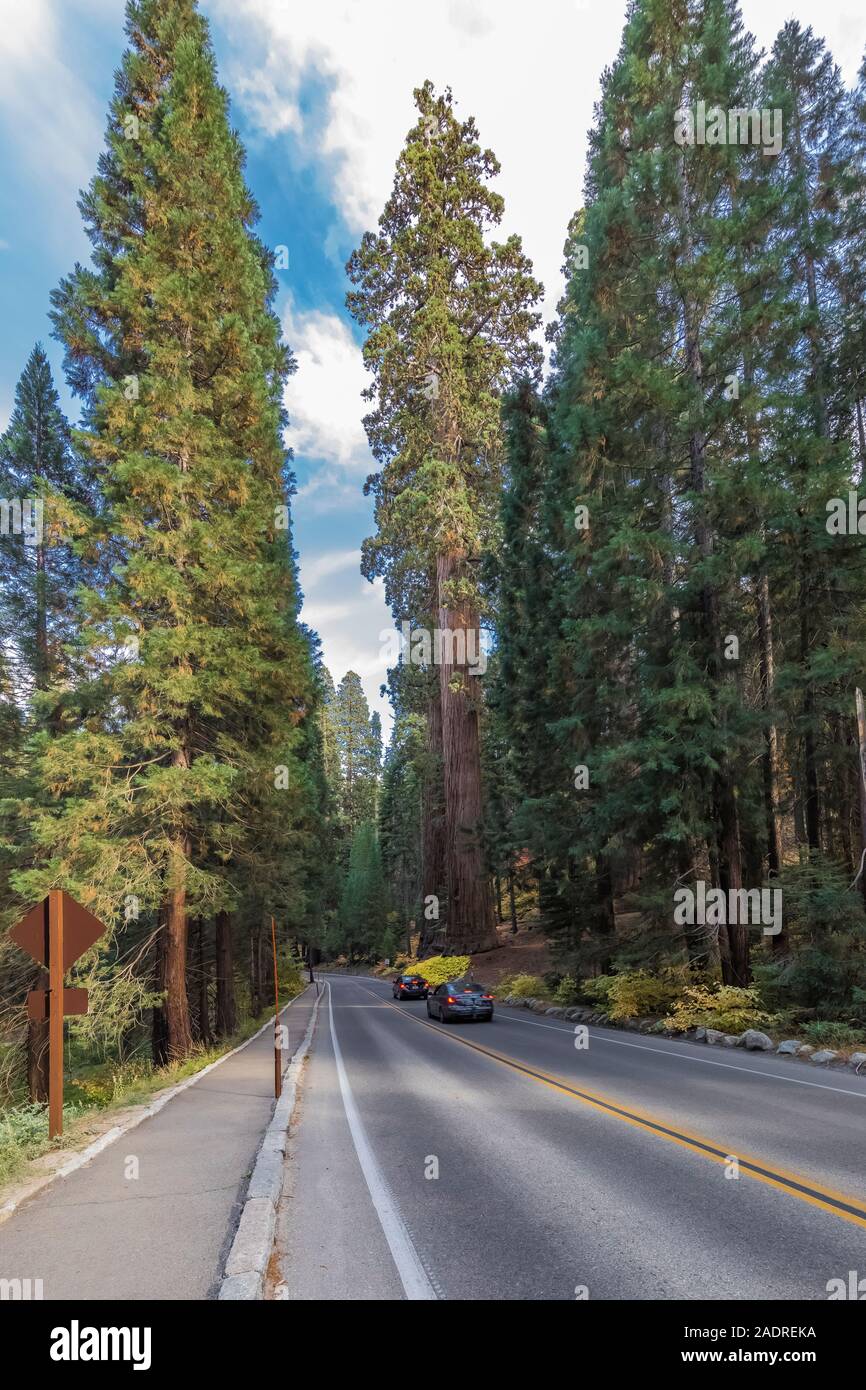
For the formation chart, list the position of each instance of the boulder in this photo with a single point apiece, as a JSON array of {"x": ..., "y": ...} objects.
[
  {"x": 700, "y": 1035},
  {"x": 753, "y": 1041},
  {"x": 788, "y": 1048},
  {"x": 824, "y": 1057},
  {"x": 714, "y": 1037},
  {"x": 856, "y": 1060},
  {"x": 731, "y": 1040},
  {"x": 554, "y": 1013},
  {"x": 805, "y": 1050}
]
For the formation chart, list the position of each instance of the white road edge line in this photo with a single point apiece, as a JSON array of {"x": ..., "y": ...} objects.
[
  {"x": 412, "y": 1274},
  {"x": 681, "y": 1057}
]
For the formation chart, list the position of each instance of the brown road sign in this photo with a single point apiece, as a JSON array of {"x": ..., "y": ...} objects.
[
  {"x": 74, "y": 1002},
  {"x": 80, "y": 930},
  {"x": 55, "y": 933}
]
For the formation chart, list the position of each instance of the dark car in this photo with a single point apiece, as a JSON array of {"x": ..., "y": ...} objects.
[
  {"x": 410, "y": 987},
  {"x": 460, "y": 999}
]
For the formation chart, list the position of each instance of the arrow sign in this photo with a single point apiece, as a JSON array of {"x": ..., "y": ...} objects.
[
  {"x": 80, "y": 930},
  {"x": 55, "y": 933},
  {"x": 74, "y": 1002}
]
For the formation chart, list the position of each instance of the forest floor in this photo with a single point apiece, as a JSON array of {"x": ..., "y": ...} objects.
[{"x": 524, "y": 953}]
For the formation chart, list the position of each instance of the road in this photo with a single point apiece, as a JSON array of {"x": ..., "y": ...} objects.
[
  {"x": 164, "y": 1234},
  {"x": 498, "y": 1161}
]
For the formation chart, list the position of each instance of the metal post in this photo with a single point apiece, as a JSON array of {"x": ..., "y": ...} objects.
[
  {"x": 278, "y": 1056},
  {"x": 55, "y": 1013}
]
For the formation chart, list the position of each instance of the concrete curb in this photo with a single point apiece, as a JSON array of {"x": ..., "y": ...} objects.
[
  {"x": 33, "y": 1187},
  {"x": 247, "y": 1262}
]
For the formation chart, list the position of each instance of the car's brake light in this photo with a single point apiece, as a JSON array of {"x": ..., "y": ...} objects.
[
  {"x": 451, "y": 999},
  {"x": 487, "y": 996}
]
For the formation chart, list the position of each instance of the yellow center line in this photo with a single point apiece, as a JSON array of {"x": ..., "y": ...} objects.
[{"x": 837, "y": 1203}]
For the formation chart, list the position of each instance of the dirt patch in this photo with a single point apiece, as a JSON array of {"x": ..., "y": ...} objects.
[{"x": 526, "y": 953}]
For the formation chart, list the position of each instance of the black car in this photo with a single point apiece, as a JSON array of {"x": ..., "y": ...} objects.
[
  {"x": 410, "y": 987},
  {"x": 460, "y": 999}
]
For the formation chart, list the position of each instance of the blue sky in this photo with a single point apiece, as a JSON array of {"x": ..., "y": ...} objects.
[{"x": 322, "y": 97}]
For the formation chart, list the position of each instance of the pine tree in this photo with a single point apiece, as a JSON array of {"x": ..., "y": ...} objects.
[
  {"x": 449, "y": 318},
  {"x": 359, "y": 745},
  {"x": 172, "y": 345},
  {"x": 39, "y": 570}
]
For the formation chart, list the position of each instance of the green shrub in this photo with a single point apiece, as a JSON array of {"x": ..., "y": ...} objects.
[
  {"x": 597, "y": 990},
  {"x": 728, "y": 1008},
  {"x": 828, "y": 1033},
  {"x": 567, "y": 991}
]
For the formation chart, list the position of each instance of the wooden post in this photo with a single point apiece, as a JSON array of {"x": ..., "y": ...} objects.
[
  {"x": 278, "y": 1056},
  {"x": 55, "y": 1013}
]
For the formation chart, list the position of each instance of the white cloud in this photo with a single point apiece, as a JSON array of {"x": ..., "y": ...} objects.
[
  {"x": 323, "y": 398},
  {"x": 528, "y": 75},
  {"x": 53, "y": 124},
  {"x": 349, "y": 614},
  {"x": 330, "y": 562}
]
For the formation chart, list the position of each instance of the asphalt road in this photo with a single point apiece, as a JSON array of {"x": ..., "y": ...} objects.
[
  {"x": 497, "y": 1161},
  {"x": 165, "y": 1234}
]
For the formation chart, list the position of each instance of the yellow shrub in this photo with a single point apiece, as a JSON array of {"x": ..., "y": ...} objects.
[
  {"x": 529, "y": 986},
  {"x": 635, "y": 993},
  {"x": 726, "y": 1007},
  {"x": 438, "y": 969}
]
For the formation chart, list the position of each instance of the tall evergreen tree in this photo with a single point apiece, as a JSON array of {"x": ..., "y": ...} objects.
[
  {"x": 39, "y": 570},
  {"x": 172, "y": 345},
  {"x": 449, "y": 317}
]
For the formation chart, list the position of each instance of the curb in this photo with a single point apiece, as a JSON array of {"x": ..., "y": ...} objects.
[
  {"x": 244, "y": 1274},
  {"x": 33, "y": 1188},
  {"x": 839, "y": 1064}
]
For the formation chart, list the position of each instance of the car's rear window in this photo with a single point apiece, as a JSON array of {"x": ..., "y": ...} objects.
[
  {"x": 411, "y": 979},
  {"x": 465, "y": 987}
]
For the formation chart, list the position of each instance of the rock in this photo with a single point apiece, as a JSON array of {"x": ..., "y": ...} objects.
[
  {"x": 714, "y": 1037},
  {"x": 700, "y": 1035},
  {"x": 788, "y": 1048},
  {"x": 856, "y": 1060},
  {"x": 805, "y": 1050},
  {"x": 554, "y": 1013},
  {"x": 824, "y": 1057},
  {"x": 539, "y": 1006},
  {"x": 731, "y": 1040},
  {"x": 753, "y": 1041}
]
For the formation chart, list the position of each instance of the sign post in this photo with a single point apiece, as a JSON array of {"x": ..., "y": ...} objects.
[{"x": 55, "y": 933}]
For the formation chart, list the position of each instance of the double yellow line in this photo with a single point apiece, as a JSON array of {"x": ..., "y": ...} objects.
[{"x": 837, "y": 1203}]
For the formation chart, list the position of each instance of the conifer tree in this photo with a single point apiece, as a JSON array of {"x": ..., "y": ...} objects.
[
  {"x": 172, "y": 346},
  {"x": 449, "y": 318}
]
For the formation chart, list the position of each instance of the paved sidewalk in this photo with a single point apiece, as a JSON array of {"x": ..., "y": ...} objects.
[{"x": 165, "y": 1235}]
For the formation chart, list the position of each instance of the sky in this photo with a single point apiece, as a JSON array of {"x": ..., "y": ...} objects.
[{"x": 321, "y": 96}]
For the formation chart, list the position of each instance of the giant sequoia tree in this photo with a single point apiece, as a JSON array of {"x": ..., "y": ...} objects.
[{"x": 449, "y": 316}]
